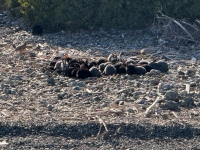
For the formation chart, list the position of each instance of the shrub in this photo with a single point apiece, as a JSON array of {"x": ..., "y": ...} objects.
[{"x": 55, "y": 15}]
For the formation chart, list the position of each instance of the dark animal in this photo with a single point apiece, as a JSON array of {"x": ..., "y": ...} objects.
[{"x": 130, "y": 69}]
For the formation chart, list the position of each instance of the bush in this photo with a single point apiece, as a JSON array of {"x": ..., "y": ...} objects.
[{"x": 55, "y": 15}]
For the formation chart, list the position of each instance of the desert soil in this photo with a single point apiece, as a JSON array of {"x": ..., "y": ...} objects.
[{"x": 41, "y": 110}]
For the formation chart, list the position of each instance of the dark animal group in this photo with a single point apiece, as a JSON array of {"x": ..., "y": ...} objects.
[{"x": 82, "y": 68}]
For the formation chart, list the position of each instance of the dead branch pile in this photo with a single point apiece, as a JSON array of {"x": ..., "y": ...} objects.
[{"x": 178, "y": 30}]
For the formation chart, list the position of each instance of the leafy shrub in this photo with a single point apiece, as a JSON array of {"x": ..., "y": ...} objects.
[{"x": 55, "y": 15}]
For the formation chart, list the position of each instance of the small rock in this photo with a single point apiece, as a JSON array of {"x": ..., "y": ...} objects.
[
  {"x": 181, "y": 73},
  {"x": 167, "y": 87},
  {"x": 50, "y": 82},
  {"x": 57, "y": 89},
  {"x": 172, "y": 95},
  {"x": 170, "y": 105},
  {"x": 3, "y": 97},
  {"x": 154, "y": 81},
  {"x": 137, "y": 94},
  {"x": 39, "y": 93},
  {"x": 50, "y": 107},
  {"x": 190, "y": 72},
  {"x": 183, "y": 93},
  {"x": 104, "y": 104},
  {"x": 140, "y": 101},
  {"x": 130, "y": 110},
  {"x": 193, "y": 84},
  {"x": 76, "y": 88},
  {"x": 61, "y": 95},
  {"x": 153, "y": 72},
  {"x": 32, "y": 54},
  {"x": 80, "y": 84},
  {"x": 188, "y": 102},
  {"x": 96, "y": 98},
  {"x": 121, "y": 91},
  {"x": 117, "y": 101}
]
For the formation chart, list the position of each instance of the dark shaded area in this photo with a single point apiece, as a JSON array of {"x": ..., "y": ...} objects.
[{"x": 80, "y": 131}]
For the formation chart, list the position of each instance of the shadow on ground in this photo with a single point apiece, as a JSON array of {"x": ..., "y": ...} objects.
[{"x": 80, "y": 131}]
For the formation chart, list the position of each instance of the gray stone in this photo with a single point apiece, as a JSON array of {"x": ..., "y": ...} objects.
[
  {"x": 76, "y": 88},
  {"x": 170, "y": 105},
  {"x": 154, "y": 81},
  {"x": 193, "y": 84},
  {"x": 50, "y": 107},
  {"x": 181, "y": 73},
  {"x": 80, "y": 84},
  {"x": 117, "y": 101},
  {"x": 57, "y": 89},
  {"x": 121, "y": 91},
  {"x": 7, "y": 90},
  {"x": 50, "y": 82},
  {"x": 188, "y": 102},
  {"x": 61, "y": 95},
  {"x": 4, "y": 97},
  {"x": 104, "y": 104},
  {"x": 153, "y": 72},
  {"x": 74, "y": 83},
  {"x": 96, "y": 98},
  {"x": 167, "y": 87},
  {"x": 190, "y": 72},
  {"x": 39, "y": 93},
  {"x": 32, "y": 54},
  {"x": 140, "y": 101},
  {"x": 172, "y": 95}
]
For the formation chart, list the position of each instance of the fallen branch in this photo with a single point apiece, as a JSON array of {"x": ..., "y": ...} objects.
[
  {"x": 147, "y": 112},
  {"x": 101, "y": 121}
]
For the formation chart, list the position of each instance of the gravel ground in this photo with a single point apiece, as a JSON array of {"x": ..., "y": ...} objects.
[{"x": 42, "y": 110}]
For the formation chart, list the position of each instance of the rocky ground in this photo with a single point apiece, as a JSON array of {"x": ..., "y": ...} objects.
[{"x": 42, "y": 110}]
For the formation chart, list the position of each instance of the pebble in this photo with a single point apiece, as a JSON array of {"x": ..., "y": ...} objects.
[
  {"x": 188, "y": 102},
  {"x": 167, "y": 86},
  {"x": 172, "y": 95},
  {"x": 153, "y": 72},
  {"x": 50, "y": 82},
  {"x": 190, "y": 72},
  {"x": 3, "y": 97},
  {"x": 96, "y": 98},
  {"x": 181, "y": 73},
  {"x": 50, "y": 107},
  {"x": 170, "y": 105},
  {"x": 76, "y": 88},
  {"x": 140, "y": 101},
  {"x": 154, "y": 82}
]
